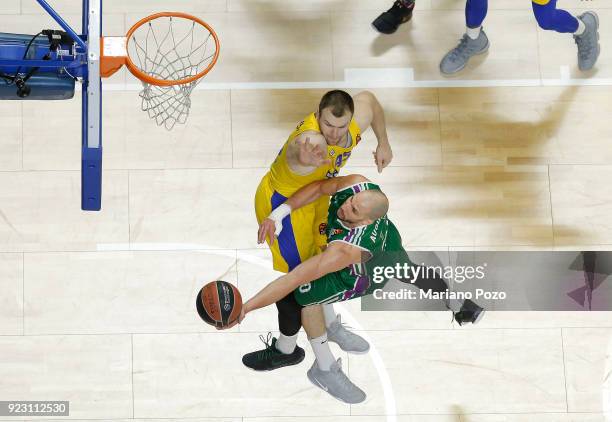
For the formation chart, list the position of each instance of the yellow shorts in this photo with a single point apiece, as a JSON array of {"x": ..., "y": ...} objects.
[{"x": 303, "y": 233}]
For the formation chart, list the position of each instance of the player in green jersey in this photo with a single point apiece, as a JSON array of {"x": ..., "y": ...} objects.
[{"x": 358, "y": 234}]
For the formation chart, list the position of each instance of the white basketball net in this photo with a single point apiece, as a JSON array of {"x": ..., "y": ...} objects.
[{"x": 170, "y": 48}]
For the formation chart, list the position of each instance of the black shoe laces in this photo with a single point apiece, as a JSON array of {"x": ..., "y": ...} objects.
[
  {"x": 270, "y": 350},
  {"x": 402, "y": 4}
]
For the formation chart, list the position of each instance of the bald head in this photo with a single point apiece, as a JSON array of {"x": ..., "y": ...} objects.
[
  {"x": 375, "y": 204},
  {"x": 363, "y": 208}
]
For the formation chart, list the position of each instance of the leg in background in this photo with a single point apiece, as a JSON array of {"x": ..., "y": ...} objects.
[
  {"x": 326, "y": 373},
  {"x": 337, "y": 333},
  {"x": 584, "y": 27},
  {"x": 388, "y": 22},
  {"x": 473, "y": 42}
]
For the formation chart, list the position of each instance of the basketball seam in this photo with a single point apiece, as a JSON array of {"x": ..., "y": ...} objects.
[
  {"x": 204, "y": 307},
  {"x": 218, "y": 285}
]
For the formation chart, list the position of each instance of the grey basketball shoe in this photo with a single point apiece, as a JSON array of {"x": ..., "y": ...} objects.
[
  {"x": 336, "y": 383},
  {"x": 588, "y": 42},
  {"x": 348, "y": 341},
  {"x": 458, "y": 57}
]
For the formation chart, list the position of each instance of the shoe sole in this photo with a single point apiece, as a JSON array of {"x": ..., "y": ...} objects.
[
  {"x": 316, "y": 384},
  {"x": 353, "y": 352},
  {"x": 278, "y": 367},
  {"x": 598, "y": 46},
  {"x": 479, "y": 317},
  {"x": 382, "y": 32},
  {"x": 467, "y": 61}
]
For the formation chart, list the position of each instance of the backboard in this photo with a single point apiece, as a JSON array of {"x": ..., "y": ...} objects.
[
  {"x": 45, "y": 66},
  {"x": 91, "y": 153},
  {"x": 80, "y": 58}
]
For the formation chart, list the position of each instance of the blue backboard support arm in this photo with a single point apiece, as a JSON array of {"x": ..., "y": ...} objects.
[
  {"x": 63, "y": 23},
  {"x": 91, "y": 154}
]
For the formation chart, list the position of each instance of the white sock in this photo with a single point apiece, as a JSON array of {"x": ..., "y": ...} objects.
[
  {"x": 473, "y": 33},
  {"x": 329, "y": 314},
  {"x": 286, "y": 344},
  {"x": 320, "y": 347},
  {"x": 581, "y": 28}
]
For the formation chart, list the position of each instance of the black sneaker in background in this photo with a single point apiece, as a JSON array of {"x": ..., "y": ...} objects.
[
  {"x": 389, "y": 21},
  {"x": 270, "y": 358},
  {"x": 469, "y": 312}
]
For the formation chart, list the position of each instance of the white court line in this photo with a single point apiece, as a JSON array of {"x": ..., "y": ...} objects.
[
  {"x": 565, "y": 73},
  {"x": 379, "y": 365},
  {"x": 402, "y": 77},
  {"x": 607, "y": 384},
  {"x": 390, "y": 407}
]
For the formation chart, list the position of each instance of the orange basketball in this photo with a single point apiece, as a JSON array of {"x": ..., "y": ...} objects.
[{"x": 219, "y": 303}]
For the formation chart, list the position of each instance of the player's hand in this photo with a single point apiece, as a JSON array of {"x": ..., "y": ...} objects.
[
  {"x": 311, "y": 155},
  {"x": 267, "y": 229},
  {"x": 236, "y": 321},
  {"x": 382, "y": 156}
]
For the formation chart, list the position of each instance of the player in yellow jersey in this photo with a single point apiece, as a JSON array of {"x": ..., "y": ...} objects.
[{"x": 317, "y": 149}]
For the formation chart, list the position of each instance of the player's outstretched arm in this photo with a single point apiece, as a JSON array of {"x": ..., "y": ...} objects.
[
  {"x": 369, "y": 112},
  {"x": 313, "y": 191},
  {"x": 307, "y": 150},
  {"x": 336, "y": 257},
  {"x": 272, "y": 225}
]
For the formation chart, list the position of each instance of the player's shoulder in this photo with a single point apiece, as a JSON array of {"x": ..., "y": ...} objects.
[
  {"x": 363, "y": 96},
  {"x": 364, "y": 109},
  {"x": 351, "y": 180}
]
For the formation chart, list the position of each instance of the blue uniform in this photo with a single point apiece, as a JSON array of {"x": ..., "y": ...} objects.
[{"x": 545, "y": 11}]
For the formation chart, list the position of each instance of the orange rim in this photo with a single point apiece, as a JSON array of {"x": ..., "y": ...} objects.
[{"x": 162, "y": 82}]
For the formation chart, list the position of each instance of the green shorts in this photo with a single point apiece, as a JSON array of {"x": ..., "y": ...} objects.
[{"x": 343, "y": 285}]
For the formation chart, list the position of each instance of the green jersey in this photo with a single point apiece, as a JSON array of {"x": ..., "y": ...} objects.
[{"x": 355, "y": 280}]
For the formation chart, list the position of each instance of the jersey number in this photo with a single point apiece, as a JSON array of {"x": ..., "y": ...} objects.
[{"x": 305, "y": 288}]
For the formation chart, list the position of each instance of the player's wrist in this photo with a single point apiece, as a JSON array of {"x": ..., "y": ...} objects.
[
  {"x": 383, "y": 141},
  {"x": 246, "y": 307},
  {"x": 280, "y": 213}
]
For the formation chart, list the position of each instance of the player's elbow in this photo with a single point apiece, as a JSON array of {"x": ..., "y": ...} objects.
[
  {"x": 365, "y": 96},
  {"x": 357, "y": 178}
]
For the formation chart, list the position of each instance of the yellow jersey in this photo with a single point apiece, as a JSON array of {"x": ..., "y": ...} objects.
[{"x": 286, "y": 182}]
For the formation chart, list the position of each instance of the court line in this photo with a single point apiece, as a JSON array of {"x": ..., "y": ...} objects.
[
  {"x": 383, "y": 375},
  {"x": 400, "y": 77},
  {"x": 607, "y": 384}
]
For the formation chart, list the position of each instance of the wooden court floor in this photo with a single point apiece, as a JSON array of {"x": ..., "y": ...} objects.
[{"x": 514, "y": 153}]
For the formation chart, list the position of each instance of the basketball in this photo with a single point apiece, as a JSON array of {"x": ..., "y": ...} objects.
[{"x": 219, "y": 303}]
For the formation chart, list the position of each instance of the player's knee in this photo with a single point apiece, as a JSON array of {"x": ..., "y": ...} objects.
[
  {"x": 290, "y": 311},
  {"x": 545, "y": 23},
  {"x": 545, "y": 16},
  {"x": 289, "y": 323}
]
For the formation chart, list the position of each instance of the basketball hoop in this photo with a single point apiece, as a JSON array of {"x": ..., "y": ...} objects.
[{"x": 169, "y": 52}]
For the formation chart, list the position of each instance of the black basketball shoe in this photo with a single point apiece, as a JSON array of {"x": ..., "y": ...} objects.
[
  {"x": 389, "y": 21},
  {"x": 469, "y": 312},
  {"x": 270, "y": 358}
]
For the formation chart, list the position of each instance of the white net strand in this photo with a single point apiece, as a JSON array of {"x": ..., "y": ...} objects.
[{"x": 162, "y": 57}]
